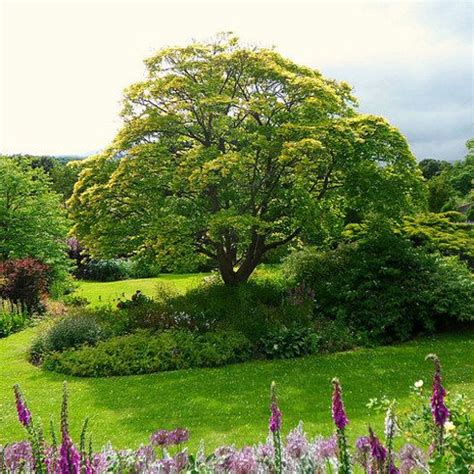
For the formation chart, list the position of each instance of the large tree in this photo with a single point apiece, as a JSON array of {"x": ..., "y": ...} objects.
[
  {"x": 232, "y": 151},
  {"x": 32, "y": 218}
]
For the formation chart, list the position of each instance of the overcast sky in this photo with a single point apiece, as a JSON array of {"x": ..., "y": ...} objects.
[{"x": 64, "y": 64}]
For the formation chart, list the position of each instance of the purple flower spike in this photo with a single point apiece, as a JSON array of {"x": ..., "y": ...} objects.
[
  {"x": 338, "y": 411},
  {"x": 69, "y": 458},
  {"x": 379, "y": 453},
  {"x": 24, "y": 414},
  {"x": 276, "y": 416},
  {"x": 439, "y": 410}
]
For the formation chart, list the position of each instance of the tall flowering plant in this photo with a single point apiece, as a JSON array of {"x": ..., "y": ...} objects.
[
  {"x": 341, "y": 421},
  {"x": 439, "y": 410},
  {"x": 275, "y": 427}
]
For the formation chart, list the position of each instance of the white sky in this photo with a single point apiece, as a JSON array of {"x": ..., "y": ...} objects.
[{"x": 63, "y": 65}]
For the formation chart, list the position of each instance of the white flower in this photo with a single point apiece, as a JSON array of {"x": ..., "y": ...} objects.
[
  {"x": 419, "y": 384},
  {"x": 449, "y": 426}
]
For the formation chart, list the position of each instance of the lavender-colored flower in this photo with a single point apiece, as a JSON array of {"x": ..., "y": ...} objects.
[
  {"x": 265, "y": 452},
  {"x": 160, "y": 438},
  {"x": 223, "y": 457},
  {"x": 362, "y": 452},
  {"x": 18, "y": 457},
  {"x": 179, "y": 435},
  {"x": 377, "y": 450},
  {"x": 24, "y": 414},
  {"x": 144, "y": 457},
  {"x": 181, "y": 461},
  {"x": 338, "y": 411},
  {"x": 439, "y": 410},
  {"x": 411, "y": 457},
  {"x": 243, "y": 462},
  {"x": 324, "y": 448},
  {"x": 296, "y": 443}
]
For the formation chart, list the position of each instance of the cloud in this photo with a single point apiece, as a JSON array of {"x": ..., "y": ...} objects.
[{"x": 64, "y": 64}]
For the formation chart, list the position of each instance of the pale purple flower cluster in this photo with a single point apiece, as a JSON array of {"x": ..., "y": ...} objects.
[
  {"x": 17, "y": 457},
  {"x": 164, "y": 438},
  {"x": 411, "y": 458},
  {"x": 362, "y": 454},
  {"x": 296, "y": 443}
]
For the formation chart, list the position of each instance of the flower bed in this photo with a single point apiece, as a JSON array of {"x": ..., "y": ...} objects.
[{"x": 436, "y": 439}]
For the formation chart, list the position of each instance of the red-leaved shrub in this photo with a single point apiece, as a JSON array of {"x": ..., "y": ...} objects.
[{"x": 24, "y": 281}]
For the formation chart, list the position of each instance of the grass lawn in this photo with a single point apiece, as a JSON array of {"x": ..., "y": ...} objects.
[
  {"x": 109, "y": 292},
  {"x": 229, "y": 405}
]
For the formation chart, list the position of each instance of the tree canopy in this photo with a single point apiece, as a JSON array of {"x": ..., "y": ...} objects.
[
  {"x": 232, "y": 151},
  {"x": 32, "y": 219}
]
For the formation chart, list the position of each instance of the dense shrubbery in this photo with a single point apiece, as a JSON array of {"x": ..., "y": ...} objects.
[
  {"x": 144, "y": 352},
  {"x": 383, "y": 288},
  {"x": 25, "y": 281},
  {"x": 434, "y": 438}
]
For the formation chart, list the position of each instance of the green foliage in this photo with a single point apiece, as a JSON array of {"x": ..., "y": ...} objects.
[
  {"x": 230, "y": 152},
  {"x": 253, "y": 308},
  {"x": 447, "y": 232},
  {"x": 431, "y": 168},
  {"x": 383, "y": 288},
  {"x": 105, "y": 270},
  {"x": 31, "y": 217},
  {"x": 287, "y": 343},
  {"x": 143, "y": 352},
  {"x": 79, "y": 327},
  {"x": 441, "y": 193},
  {"x": 450, "y": 186},
  {"x": 13, "y": 317}
]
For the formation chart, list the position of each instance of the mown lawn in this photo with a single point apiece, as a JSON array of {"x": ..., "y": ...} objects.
[
  {"x": 229, "y": 405},
  {"x": 110, "y": 292}
]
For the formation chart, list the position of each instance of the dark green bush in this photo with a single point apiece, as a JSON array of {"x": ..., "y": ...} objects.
[
  {"x": 105, "y": 270},
  {"x": 144, "y": 352},
  {"x": 287, "y": 343},
  {"x": 252, "y": 308},
  {"x": 383, "y": 289}
]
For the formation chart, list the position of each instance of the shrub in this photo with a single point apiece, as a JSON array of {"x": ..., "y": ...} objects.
[
  {"x": 105, "y": 270},
  {"x": 252, "y": 308},
  {"x": 287, "y": 343},
  {"x": 383, "y": 288},
  {"x": 79, "y": 327},
  {"x": 13, "y": 317},
  {"x": 144, "y": 352},
  {"x": 24, "y": 281}
]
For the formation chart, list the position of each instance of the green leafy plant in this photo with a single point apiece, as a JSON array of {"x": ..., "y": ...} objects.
[{"x": 144, "y": 352}]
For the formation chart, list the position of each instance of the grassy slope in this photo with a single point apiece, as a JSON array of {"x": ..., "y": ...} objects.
[{"x": 229, "y": 404}]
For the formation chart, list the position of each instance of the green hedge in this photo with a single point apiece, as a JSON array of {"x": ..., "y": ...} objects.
[{"x": 144, "y": 352}]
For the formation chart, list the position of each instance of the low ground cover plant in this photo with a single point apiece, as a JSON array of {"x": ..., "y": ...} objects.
[{"x": 435, "y": 437}]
